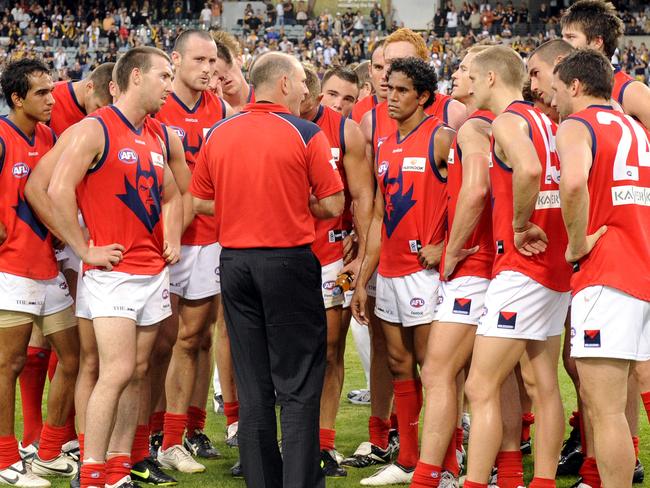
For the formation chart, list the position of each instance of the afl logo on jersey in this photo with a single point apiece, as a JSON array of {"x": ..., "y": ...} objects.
[
  {"x": 179, "y": 132},
  {"x": 127, "y": 156},
  {"x": 20, "y": 170},
  {"x": 417, "y": 302},
  {"x": 383, "y": 167}
]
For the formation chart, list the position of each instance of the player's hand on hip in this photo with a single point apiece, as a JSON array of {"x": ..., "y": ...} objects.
[
  {"x": 171, "y": 252},
  {"x": 358, "y": 305},
  {"x": 530, "y": 240},
  {"x": 104, "y": 256},
  {"x": 574, "y": 254},
  {"x": 452, "y": 259},
  {"x": 430, "y": 255}
]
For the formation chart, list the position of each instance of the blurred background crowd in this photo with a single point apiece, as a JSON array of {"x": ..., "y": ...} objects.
[{"x": 74, "y": 37}]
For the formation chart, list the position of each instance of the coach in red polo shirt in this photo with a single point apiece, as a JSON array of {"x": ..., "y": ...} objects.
[{"x": 265, "y": 173}]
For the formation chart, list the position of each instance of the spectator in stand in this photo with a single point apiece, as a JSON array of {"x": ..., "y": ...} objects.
[
  {"x": 205, "y": 17},
  {"x": 452, "y": 20}
]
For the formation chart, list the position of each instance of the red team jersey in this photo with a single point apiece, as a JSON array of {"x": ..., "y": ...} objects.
[
  {"x": 28, "y": 250},
  {"x": 619, "y": 197},
  {"x": 366, "y": 104},
  {"x": 621, "y": 82},
  {"x": 290, "y": 155},
  {"x": 480, "y": 263},
  {"x": 192, "y": 126},
  {"x": 383, "y": 126},
  {"x": 415, "y": 198},
  {"x": 67, "y": 109},
  {"x": 548, "y": 268},
  {"x": 328, "y": 243},
  {"x": 121, "y": 196}
]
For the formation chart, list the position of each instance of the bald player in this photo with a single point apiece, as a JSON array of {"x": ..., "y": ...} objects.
[
  {"x": 527, "y": 300},
  {"x": 595, "y": 24},
  {"x": 348, "y": 153}
]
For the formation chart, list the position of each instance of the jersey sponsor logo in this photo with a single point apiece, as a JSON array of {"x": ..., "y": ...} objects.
[
  {"x": 157, "y": 159},
  {"x": 416, "y": 165},
  {"x": 32, "y": 153},
  {"x": 187, "y": 119},
  {"x": 127, "y": 155},
  {"x": 336, "y": 235},
  {"x": 631, "y": 195},
  {"x": 143, "y": 197},
  {"x": 415, "y": 245},
  {"x": 20, "y": 170},
  {"x": 417, "y": 302},
  {"x": 592, "y": 338},
  {"x": 397, "y": 150},
  {"x": 397, "y": 201},
  {"x": 329, "y": 285},
  {"x": 382, "y": 168},
  {"x": 548, "y": 199},
  {"x": 507, "y": 320},
  {"x": 462, "y": 306},
  {"x": 180, "y": 132}
]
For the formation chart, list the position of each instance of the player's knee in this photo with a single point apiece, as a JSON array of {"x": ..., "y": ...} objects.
[
  {"x": 433, "y": 376},
  {"x": 190, "y": 344},
  {"x": 69, "y": 365},
  {"x": 206, "y": 340},
  {"x": 479, "y": 390},
  {"x": 11, "y": 364},
  {"x": 117, "y": 375},
  {"x": 400, "y": 365}
]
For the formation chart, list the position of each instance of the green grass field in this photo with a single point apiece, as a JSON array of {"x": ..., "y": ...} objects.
[{"x": 351, "y": 430}]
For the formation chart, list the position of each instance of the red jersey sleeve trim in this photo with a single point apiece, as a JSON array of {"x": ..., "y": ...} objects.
[
  {"x": 432, "y": 160},
  {"x": 620, "y": 95},
  {"x": 342, "y": 136},
  {"x": 445, "y": 110}
]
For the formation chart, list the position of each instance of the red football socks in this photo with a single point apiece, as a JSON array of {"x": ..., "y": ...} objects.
[
  {"x": 635, "y": 441},
  {"x": 474, "y": 484},
  {"x": 450, "y": 462},
  {"x": 510, "y": 469},
  {"x": 460, "y": 437},
  {"x": 589, "y": 473},
  {"x": 378, "y": 431},
  {"x": 408, "y": 418},
  {"x": 156, "y": 422},
  {"x": 195, "y": 419},
  {"x": 52, "y": 438},
  {"x": 173, "y": 429},
  {"x": 527, "y": 420},
  {"x": 645, "y": 397},
  {"x": 32, "y": 383},
  {"x": 426, "y": 476},
  {"x": 117, "y": 468},
  {"x": 8, "y": 451},
  {"x": 231, "y": 411},
  {"x": 93, "y": 474},
  {"x": 542, "y": 483},
  {"x": 51, "y": 366},
  {"x": 140, "y": 446},
  {"x": 327, "y": 439},
  {"x": 82, "y": 441}
]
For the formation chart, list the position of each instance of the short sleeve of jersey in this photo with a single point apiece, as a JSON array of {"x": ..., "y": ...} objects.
[
  {"x": 202, "y": 185},
  {"x": 324, "y": 177}
]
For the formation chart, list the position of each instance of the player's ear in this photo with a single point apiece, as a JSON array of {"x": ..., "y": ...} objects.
[
  {"x": 424, "y": 97},
  {"x": 284, "y": 84},
  {"x": 574, "y": 87},
  {"x": 16, "y": 99},
  {"x": 89, "y": 87},
  {"x": 597, "y": 43},
  {"x": 320, "y": 98},
  {"x": 176, "y": 58}
]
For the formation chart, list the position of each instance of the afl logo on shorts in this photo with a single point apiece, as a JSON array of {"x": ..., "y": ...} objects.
[
  {"x": 383, "y": 167},
  {"x": 20, "y": 170},
  {"x": 165, "y": 294},
  {"x": 417, "y": 302},
  {"x": 179, "y": 131},
  {"x": 329, "y": 285},
  {"x": 127, "y": 156}
]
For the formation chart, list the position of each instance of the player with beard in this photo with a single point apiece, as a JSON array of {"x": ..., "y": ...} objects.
[
  {"x": 348, "y": 153},
  {"x": 404, "y": 239},
  {"x": 118, "y": 150}
]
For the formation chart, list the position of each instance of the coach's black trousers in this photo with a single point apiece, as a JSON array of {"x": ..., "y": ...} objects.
[{"x": 278, "y": 336}]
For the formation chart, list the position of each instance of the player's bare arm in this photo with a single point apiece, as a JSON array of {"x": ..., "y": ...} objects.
[
  {"x": 327, "y": 207},
  {"x": 636, "y": 102},
  {"x": 431, "y": 254},
  {"x": 456, "y": 114},
  {"x": 39, "y": 181},
  {"x": 574, "y": 148},
  {"x": 514, "y": 147},
  {"x": 172, "y": 210},
  {"x": 370, "y": 260},
  {"x": 366, "y": 130},
  {"x": 360, "y": 184},
  {"x": 182, "y": 175},
  {"x": 474, "y": 141},
  {"x": 71, "y": 167}
]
